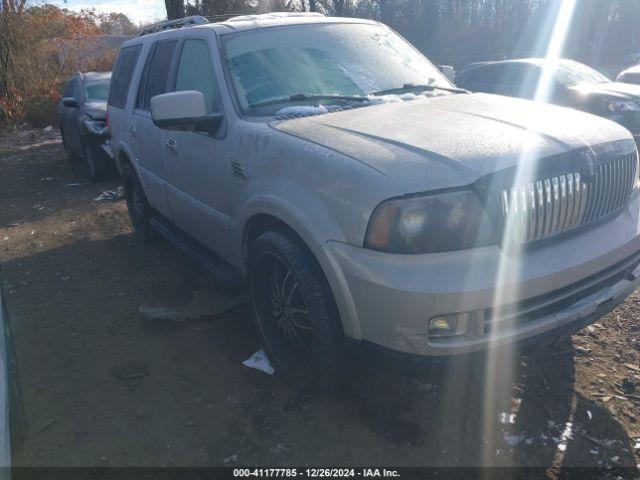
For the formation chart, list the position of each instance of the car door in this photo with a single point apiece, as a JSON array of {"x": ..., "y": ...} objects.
[
  {"x": 69, "y": 115},
  {"x": 146, "y": 140},
  {"x": 197, "y": 162}
]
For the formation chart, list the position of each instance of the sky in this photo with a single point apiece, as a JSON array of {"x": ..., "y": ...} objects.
[{"x": 137, "y": 10}]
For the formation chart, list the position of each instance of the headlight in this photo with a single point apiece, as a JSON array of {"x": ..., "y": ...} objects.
[
  {"x": 623, "y": 106},
  {"x": 97, "y": 127},
  {"x": 427, "y": 224}
]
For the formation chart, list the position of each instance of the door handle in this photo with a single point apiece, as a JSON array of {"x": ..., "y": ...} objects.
[
  {"x": 132, "y": 130},
  {"x": 172, "y": 145}
]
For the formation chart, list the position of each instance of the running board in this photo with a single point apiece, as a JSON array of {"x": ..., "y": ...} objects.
[{"x": 226, "y": 275}]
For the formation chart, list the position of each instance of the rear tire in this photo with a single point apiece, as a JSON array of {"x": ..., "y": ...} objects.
[
  {"x": 99, "y": 165},
  {"x": 140, "y": 212},
  {"x": 294, "y": 312}
]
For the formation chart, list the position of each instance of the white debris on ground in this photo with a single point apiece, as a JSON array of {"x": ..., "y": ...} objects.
[
  {"x": 561, "y": 435},
  {"x": 567, "y": 434},
  {"x": 259, "y": 361},
  {"x": 506, "y": 418},
  {"x": 203, "y": 304},
  {"x": 48, "y": 128},
  {"x": 111, "y": 195}
]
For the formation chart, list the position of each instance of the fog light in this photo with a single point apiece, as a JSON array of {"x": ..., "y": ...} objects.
[{"x": 449, "y": 325}]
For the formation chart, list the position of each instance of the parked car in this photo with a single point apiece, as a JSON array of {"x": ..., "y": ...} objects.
[
  {"x": 630, "y": 75},
  {"x": 365, "y": 200},
  {"x": 81, "y": 117},
  {"x": 572, "y": 84}
]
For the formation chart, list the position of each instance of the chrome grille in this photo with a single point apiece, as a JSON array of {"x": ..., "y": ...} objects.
[{"x": 539, "y": 209}]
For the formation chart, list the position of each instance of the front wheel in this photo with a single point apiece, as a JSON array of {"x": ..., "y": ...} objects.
[{"x": 295, "y": 313}]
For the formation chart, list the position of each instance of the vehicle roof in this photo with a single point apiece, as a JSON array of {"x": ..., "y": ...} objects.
[
  {"x": 532, "y": 61},
  {"x": 254, "y": 22},
  {"x": 634, "y": 69}
]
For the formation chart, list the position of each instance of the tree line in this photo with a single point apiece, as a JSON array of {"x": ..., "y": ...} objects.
[
  {"x": 41, "y": 45},
  {"x": 457, "y": 32}
]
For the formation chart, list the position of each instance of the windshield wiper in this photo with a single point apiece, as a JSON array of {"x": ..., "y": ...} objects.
[
  {"x": 413, "y": 86},
  {"x": 297, "y": 97}
]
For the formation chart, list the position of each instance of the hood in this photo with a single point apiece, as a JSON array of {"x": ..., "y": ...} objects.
[
  {"x": 453, "y": 140},
  {"x": 612, "y": 89},
  {"x": 96, "y": 110}
]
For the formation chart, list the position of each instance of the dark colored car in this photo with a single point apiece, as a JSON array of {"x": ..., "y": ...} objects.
[
  {"x": 571, "y": 84},
  {"x": 82, "y": 120}
]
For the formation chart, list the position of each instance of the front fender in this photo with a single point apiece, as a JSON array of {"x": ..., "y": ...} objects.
[
  {"x": 298, "y": 216},
  {"x": 303, "y": 212}
]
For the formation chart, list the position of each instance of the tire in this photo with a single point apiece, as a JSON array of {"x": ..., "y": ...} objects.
[
  {"x": 140, "y": 212},
  {"x": 297, "y": 319},
  {"x": 73, "y": 158},
  {"x": 99, "y": 165}
]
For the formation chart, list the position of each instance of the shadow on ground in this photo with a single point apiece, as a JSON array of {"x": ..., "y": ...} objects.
[
  {"x": 195, "y": 404},
  {"x": 75, "y": 278}
]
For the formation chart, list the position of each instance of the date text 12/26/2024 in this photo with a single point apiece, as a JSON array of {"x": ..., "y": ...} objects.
[{"x": 315, "y": 472}]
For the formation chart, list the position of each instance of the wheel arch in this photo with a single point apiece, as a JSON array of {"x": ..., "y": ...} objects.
[
  {"x": 122, "y": 155},
  {"x": 264, "y": 221}
]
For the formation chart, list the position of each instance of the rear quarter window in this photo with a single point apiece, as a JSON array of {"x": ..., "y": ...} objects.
[{"x": 122, "y": 73}]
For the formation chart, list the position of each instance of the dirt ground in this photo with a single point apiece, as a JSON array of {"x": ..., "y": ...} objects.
[{"x": 103, "y": 385}]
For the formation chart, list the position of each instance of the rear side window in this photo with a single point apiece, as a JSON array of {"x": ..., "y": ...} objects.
[
  {"x": 122, "y": 73},
  {"x": 156, "y": 74},
  {"x": 195, "y": 72}
]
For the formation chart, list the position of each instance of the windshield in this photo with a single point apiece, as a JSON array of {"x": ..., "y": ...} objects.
[
  {"x": 570, "y": 73},
  {"x": 335, "y": 59},
  {"x": 96, "y": 91}
]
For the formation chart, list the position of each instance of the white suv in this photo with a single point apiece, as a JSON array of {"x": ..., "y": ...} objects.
[{"x": 365, "y": 199}]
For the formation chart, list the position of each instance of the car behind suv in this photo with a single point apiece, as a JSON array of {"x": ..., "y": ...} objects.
[
  {"x": 563, "y": 82},
  {"x": 81, "y": 117},
  {"x": 365, "y": 200}
]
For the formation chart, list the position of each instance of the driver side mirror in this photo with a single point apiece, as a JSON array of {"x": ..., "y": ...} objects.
[
  {"x": 70, "y": 102},
  {"x": 184, "y": 110}
]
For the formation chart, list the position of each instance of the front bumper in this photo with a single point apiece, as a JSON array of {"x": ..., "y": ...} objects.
[{"x": 388, "y": 299}]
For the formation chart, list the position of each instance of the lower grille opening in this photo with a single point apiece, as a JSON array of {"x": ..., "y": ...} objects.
[{"x": 530, "y": 310}]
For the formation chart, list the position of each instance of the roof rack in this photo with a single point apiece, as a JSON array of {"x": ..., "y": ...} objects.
[
  {"x": 222, "y": 17},
  {"x": 273, "y": 15},
  {"x": 173, "y": 24}
]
